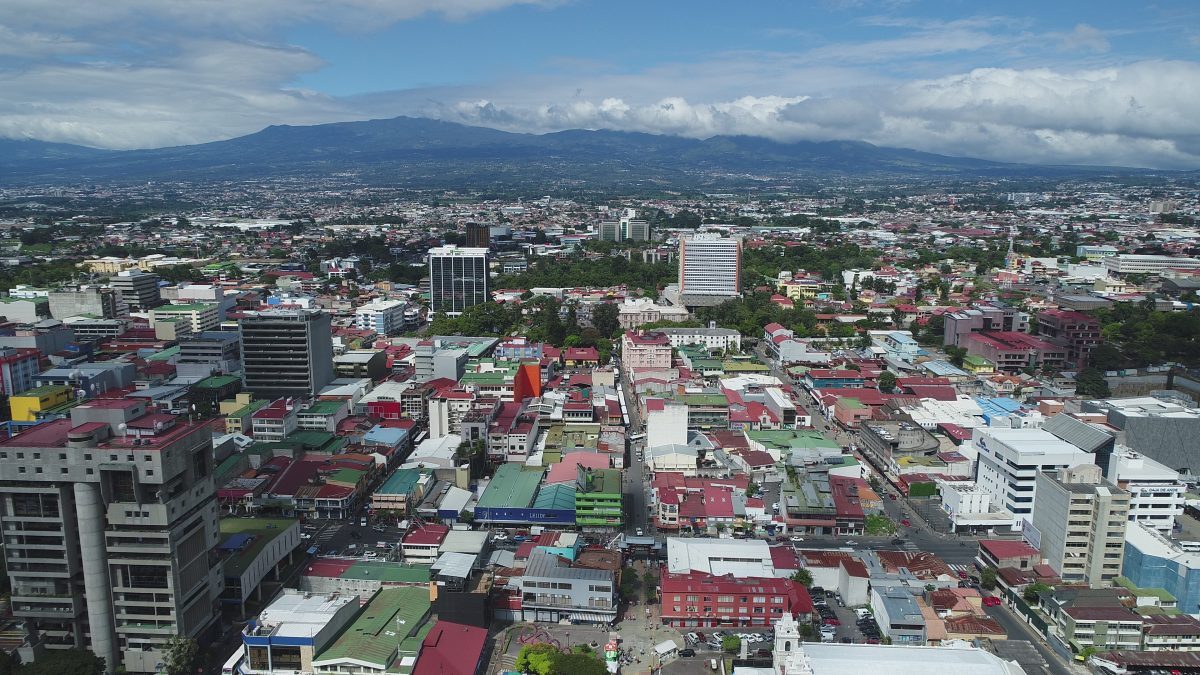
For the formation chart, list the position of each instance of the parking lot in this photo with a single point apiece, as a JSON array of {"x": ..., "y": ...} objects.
[
  {"x": 847, "y": 620},
  {"x": 708, "y": 642}
]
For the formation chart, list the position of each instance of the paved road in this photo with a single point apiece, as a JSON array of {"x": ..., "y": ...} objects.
[
  {"x": 1019, "y": 630},
  {"x": 636, "y": 477}
]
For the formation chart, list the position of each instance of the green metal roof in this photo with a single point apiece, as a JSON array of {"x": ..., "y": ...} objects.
[
  {"x": 401, "y": 482},
  {"x": 264, "y": 531},
  {"x": 248, "y": 409},
  {"x": 398, "y": 611},
  {"x": 226, "y": 468},
  {"x": 560, "y": 496},
  {"x": 217, "y": 381},
  {"x": 346, "y": 476},
  {"x": 512, "y": 485},
  {"x": 603, "y": 482},
  {"x": 323, "y": 408},
  {"x": 164, "y": 355},
  {"x": 45, "y": 389},
  {"x": 388, "y": 572},
  {"x": 194, "y": 307}
]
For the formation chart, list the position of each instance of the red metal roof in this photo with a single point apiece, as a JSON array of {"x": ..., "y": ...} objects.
[{"x": 451, "y": 649}]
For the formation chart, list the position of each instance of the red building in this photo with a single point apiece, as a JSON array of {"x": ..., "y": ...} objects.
[
  {"x": 698, "y": 600},
  {"x": 1012, "y": 351}
]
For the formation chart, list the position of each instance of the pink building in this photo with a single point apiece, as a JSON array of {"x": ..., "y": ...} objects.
[{"x": 646, "y": 350}]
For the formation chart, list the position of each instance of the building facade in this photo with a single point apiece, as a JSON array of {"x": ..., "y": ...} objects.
[
  {"x": 286, "y": 352},
  {"x": 648, "y": 351},
  {"x": 109, "y": 519},
  {"x": 137, "y": 289},
  {"x": 1010, "y": 459},
  {"x": 710, "y": 265},
  {"x": 1081, "y": 518},
  {"x": 1076, "y": 332},
  {"x": 458, "y": 278},
  {"x": 385, "y": 317}
]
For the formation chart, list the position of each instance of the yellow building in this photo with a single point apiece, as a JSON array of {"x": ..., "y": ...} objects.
[
  {"x": 26, "y": 405},
  {"x": 109, "y": 265},
  {"x": 238, "y": 411},
  {"x": 801, "y": 289},
  {"x": 978, "y": 365}
]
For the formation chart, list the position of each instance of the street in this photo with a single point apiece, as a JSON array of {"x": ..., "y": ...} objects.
[{"x": 1019, "y": 630}]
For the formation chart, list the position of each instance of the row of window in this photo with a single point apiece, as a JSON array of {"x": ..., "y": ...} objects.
[
  {"x": 724, "y": 610},
  {"x": 757, "y": 599}
]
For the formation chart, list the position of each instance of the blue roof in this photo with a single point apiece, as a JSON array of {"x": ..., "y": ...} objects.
[
  {"x": 385, "y": 436},
  {"x": 997, "y": 407},
  {"x": 236, "y": 542}
]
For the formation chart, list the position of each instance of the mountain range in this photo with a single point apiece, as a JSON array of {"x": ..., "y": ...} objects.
[{"x": 435, "y": 154}]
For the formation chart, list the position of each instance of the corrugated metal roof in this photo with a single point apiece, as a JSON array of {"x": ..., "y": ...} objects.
[{"x": 1077, "y": 432}]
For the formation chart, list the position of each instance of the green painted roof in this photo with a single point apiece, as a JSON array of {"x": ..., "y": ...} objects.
[
  {"x": 399, "y": 611},
  {"x": 194, "y": 307},
  {"x": 263, "y": 529},
  {"x": 852, "y": 403},
  {"x": 323, "y": 408},
  {"x": 512, "y": 485},
  {"x": 702, "y": 399},
  {"x": 318, "y": 440},
  {"x": 164, "y": 355},
  {"x": 1160, "y": 593},
  {"x": 227, "y": 467},
  {"x": 604, "y": 482},
  {"x": 248, "y": 409},
  {"x": 388, "y": 572},
  {"x": 217, "y": 381},
  {"x": 346, "y": 476},
  {"x": 976, "y": 360},
  {"x": 560, "y": 496},
  {"x": 44, "y": 390},
  {"x": 401, "y": 482}
]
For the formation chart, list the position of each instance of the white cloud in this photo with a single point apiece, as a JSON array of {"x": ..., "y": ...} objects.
[{"x": 1088, "y": 38}]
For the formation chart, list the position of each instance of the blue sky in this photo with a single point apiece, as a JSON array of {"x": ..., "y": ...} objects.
[{"x": 1053, "y": 82}]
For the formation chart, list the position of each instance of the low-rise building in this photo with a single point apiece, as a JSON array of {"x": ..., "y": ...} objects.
[
  {"x": 554, "y": 589},
  {"x": 297, "y": 625},
  {"x": 700, "y": 600}
]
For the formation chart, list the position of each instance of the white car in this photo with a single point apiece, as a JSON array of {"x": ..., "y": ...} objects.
[{"x": 796, "y": 537}]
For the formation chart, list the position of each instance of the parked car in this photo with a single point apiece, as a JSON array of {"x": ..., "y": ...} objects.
[
  {"x": 692, "y": 637},
  {"x": 687, "y": 652},
  {"x": 991, "y": 601},
  {"x": 906, "y": 522},
  {"x": 796, "y": 537}
]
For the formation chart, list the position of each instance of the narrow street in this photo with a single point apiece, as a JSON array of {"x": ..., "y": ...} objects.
[{"x": 1019, "y": 630}]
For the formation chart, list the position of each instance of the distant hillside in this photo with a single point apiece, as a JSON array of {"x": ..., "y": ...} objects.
[{"x": 430, "y": 153}]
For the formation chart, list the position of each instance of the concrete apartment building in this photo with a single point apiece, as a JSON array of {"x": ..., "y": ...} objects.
[
  {"x": 458, "y": 279},
  {"x": 1076, "y": 332},
  {"x": 17, "y": 370},
  {"x": 198, "y": 316},
  {"x": 84, "y": 301},
  {"x": 137, "y": 289},
  {"x": 210, "y": 352},
  {"x": 385, "y": 317},
  {"x": 960, "y": 324},
  {"x": 1081, "y": 518},
  {"x": 109, "y": 518},
  {"x": 286, "y": 352}
]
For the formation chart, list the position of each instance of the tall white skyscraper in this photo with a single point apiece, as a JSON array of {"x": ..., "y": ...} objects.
[
  {"x": 710, "y": 265},
  {"x": 458, "y": 278}
]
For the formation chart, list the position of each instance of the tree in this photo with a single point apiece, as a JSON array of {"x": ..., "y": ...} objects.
[
  {"x": 987, "y": 578},
  {"x": 1091, "y": 383},
  {"x": 751, "y": 489},
  {"x": 803, "y": 577},
  {"x": 537, "y": 659},
  {"x": 1034, "y": 590},
  {"x": 956, "y": 354},
  {"x": 578, "y": 664},
  {"x": 731, "y": 643},
  {"x": 629, "y": 583},
  {"x": 64, "y": 662},
  {"x": 887, "y": 381},
  {"x": 179, "y": 655},
  {"x": 605, "y": 319}
]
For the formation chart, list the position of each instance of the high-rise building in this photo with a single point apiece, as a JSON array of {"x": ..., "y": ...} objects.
[
  {"x": 609, "y": 230},
  {"x": 479, "y": 235},
  {"x": 628, "y": 228},
  {"x": 458, "y": 278},
  {"x": 109, "y": 520},
  {"x": 286, "y": 353},
  {"x": 138, "y": 289},
  {"x": 636, "y": 230},
  {"x": 1081, "y": 519},
  {"x": 710, "y": 265}
]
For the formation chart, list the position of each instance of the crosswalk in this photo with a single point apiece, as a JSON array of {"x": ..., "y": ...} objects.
[
  {"x": 327, "y": 533},
  {"x": 961, "y": 568}
]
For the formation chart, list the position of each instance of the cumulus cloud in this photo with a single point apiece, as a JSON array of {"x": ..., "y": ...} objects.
[{"x": 183, "y": 71}]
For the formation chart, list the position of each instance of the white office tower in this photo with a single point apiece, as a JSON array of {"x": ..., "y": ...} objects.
[
  {"x": 458, "y": 278},
  {"x": 710, "y": 265}
]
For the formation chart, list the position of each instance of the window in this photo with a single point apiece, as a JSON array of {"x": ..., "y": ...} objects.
[
  {"x": 20, "y": 469},
  {"x": 62, "y": 455},
  {"x": 724, "y": 598},
  {"x": 759, "y": 599},
  {"x": 63, "y": 470},
  {"x": 87, "y": 457}
]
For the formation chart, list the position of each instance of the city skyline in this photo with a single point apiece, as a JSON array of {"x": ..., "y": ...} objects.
[{"x": 1039, "y": 84}]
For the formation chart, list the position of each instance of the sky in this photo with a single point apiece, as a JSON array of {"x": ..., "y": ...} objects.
[{"x": 1101, "y": 82}]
